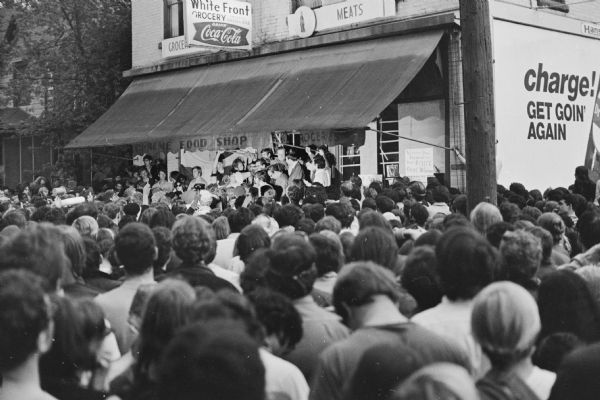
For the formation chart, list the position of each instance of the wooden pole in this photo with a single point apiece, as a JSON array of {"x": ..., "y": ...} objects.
[{"x": 478, "y": 85}]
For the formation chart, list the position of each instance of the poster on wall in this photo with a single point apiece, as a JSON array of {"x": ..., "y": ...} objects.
[
  {"x": 419, "y": 163},
  {"x": 224, "y": 24},
  {"x": 546, "y": 85}
]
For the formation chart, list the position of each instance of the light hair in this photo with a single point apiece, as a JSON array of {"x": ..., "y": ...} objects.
[{"x": 485, "y": 215}]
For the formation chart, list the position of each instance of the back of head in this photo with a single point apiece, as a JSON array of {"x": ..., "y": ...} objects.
[
  {"x": 384, "y": 204},
  {"x": 24, "y": 315},
  {"x": 86, "y": 226},
  {"x": 377, "y": 245},
  {"x": 505, "y": 322},
  {"x": 566, "y": 305},
  {"x": 510, "y": 212},
  {"x": 329, "y": 223},
  {"x": 420, "y": 277},
  {"x": 214, "y": 361},
  {"x": 358, "y": 282},
  {"x": 343, "y": 212},
  {"x": 193, "y": 239},
  {"x": 484, "y": 215},
  {"x": 520, "y": 258},
  {"x": 162, "y": 217},
  {"x": 552, "y": 222},
  {"x": 288, "y": 215},
  {"x": 292, "y": 270},
  {"x": 36, "y": 249},
  {"x": 14, "y": 217},
  {"x": 135, "y": 248},
  {"x": 440, "y": 194},
  {"x": 167, "y": 309},
  {"x": 466, "y": 263},
  {"x": 251, "y": 238},
  {"x": 435, "y": 382},
  {"x": 368, "y": 217},
  {"x": 419, "y": 214},
  {"x": 164, "y": 243},
  {"x": 74, "y": 249},
  {"x": 239, "y": 218},
  {"x": 329, "y": 253},
  {"x": 577, "y": 376},
  {"x": 495, "y": 232},
  {"x": 546, "y": 240},
  {"x": 221, "y": 227},
  {"x": 589, "y": 228}
]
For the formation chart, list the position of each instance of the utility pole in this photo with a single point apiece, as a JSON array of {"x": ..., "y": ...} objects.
[{"x": 478, "y": 86}]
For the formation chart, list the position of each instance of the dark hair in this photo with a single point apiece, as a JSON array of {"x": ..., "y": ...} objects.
[
  {"x": 111, "y": 210},
  {"x": 495, "y": 232},
  {"x": 328, "y": 223},
  {"x": 239, "y": 219},
  {"x": 369, "y": 202},
  {"x": 566, "y": 305},
  {"x": 131, "y": 209},
  {"x": 440, "y": 194},
  {"x": 93, "y": 257},
  {"x": 14, "y": 217},
  {"x": 377, "y": 245},
  {"x": 329, "y": 253},
  {"x": 420, "y": 277},
  {"x": 368, "y": 217},
  {"x": 251, "y": 238},
  {"x": 306, "y": 225},
  {"x": 510, "y": 212},
  {"x": 164, "y": 242},
  {"x": 552, "y": 349},
  {"x": 193, "y": 240},
  {"x": 74, "y": 249},
  {"x": 135, "y": 248},
  {"x": 214, "y": 361},
  {"x": 255, "y": 269},
  {"x": 589, "y": 228},
  {"x": 80, "y": 210},
  {"x": 77, "y": 324},
  {"x": 466, "y": 263},
  {"x": 23, "y": 316},
  {"x": 167, "y": 309},
  {"x": 162, "y": 217},
  {"x": 546, "y": 241},
  {"x": 384, "y": 204},
  {"x": 419, "y": 213},
  {"x": 292, "y": 271},
  {"x": 37, "y": 250},
  {"x": 342, "y": 212},
  {"x": 288, "y": 215}
]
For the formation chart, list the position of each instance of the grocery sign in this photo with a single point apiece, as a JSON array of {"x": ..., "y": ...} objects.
[{"x": 224, "y": 24}]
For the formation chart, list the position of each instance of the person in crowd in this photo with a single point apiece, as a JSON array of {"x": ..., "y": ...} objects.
[
  {"x": 485, "y": 215},
  {"x": 94, "y": 276},
  {"x": 506, "y": 324},
  {"x": 221, "y": 227},
  {"x": 421, "y": 279},
  {"x": 238, "y": 220},
  {"x": 377, "y": 245},
  {"x": 366, "y": 297},
  {"x": 291, "y": 271},
  {"x": 435, "y": 382},
  {"x": 136, "y": 249},
  {"x": 583, "y": 185},
  {"x": 251, "y": 238},
  {"x": 164, "y": 245},
  {"x": 545, "y": 238},
  {"x": 466, "y": 263},
  {"x": 25, "y": 336},
  {"x": 329, "y": 260},
  {"x": 554, "y": 224},
  {"x": 73, "y": 368},
  {"x": 441, "y": 198},
  {"x": 74, "y": 284},
  {"x": 577, "y": 375},
  {"x": 566, "y": 305},
  {"x": 520, "y": 258}
]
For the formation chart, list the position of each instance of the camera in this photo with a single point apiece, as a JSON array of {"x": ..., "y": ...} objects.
[{"x": 199, "y": 186}]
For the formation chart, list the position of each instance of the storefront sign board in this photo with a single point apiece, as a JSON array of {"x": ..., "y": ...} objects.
[
  {"x": 223, "y": 24},
  {"x": 177, "y": 46},
  {"x": 418, "y": 163}
]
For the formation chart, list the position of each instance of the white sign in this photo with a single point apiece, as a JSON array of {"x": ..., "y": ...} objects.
[
  {"x": 176, "y": 46},
  {"x": 590, "y": 29},
  {"x": 338, "y": 15},
  {"x": 418, "y": 163},
  {"x": 546, "y": 85},
  {"x": 224, "y": 24}
]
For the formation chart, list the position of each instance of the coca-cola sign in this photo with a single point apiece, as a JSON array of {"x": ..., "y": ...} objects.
[
  {"x": 224, "y": 24},
  {"x": 220, "y": 34}
]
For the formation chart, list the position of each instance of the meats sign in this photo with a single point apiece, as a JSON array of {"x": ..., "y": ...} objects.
[{"x": 225, "y": 24}]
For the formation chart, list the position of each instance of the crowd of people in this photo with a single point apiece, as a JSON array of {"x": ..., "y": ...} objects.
[{"x": 279, "y": 281}]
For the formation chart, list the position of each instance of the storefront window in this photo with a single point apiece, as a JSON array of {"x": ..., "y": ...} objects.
[{"x": 173, "y": 18}]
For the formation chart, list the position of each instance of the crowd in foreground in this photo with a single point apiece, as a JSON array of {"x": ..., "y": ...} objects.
[{"x": 387, "y": 292}]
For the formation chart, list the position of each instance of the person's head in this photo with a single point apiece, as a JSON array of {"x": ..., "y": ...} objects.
[
  {"x": 162, "y": 217},
  {"x": 495, "y": 232},
  {"x": 546, "y": 241},
  {"x": 215, "y": 360},
  {"x": 14, "y": 217},
  {"x": 377, "y": 245},
  {"x": 436, "y": 382},
  {"x": 505, "y": 322},
  {"x": 510, "y": 212},
  {"x": 147, "y": 159},
  {"x": 292, "y": 270},
  {"x": 74, "y": 250},
  {"x": 24, "y": 317},
  {"x": 380, "y": 370},
  {"x": 288, "y": 215},
  {"x": 342, "y": 211},
  {"x": 266, "y": 153},
  {"x": 588, "y": 226},
  {"x": 484, "y": 215},
  {"x": 520, "y": 258},
  {"x": 582, "y": 173},
  {"x": 37, "y": 249},
  {"x": 193, "y": 240},
  {"x": 136, "y": 248},
  {"x": 221, "y": 227},
  {"x": 554, "y": 224},
  {"x": 358, "y": 284},
  {"x": 552, "y": 349},
  {"x": 466, "y": 263},
  {"x": 164, "y": 244},
  {"x": 577, "y": 376},
  {"x": 566, "y": 305},
  {"x": 281, "y": 321},
  {"x": 167, "y": 309},
  {"x": 419, "y": 214},
  {"x": 368, "y": 217},
  {"x": 420, "y": 277},
  {"x": 86, "y": 226},
  {"x": 440, "y": 194},
  {"x": 384, "y": 204},
  {"x": 197, "y": 172},
  {"x": 329, "y": 223},
  {"x": 239, "y": 218},
  {"x": 251, "y": 238},
  {"x": 329, "y": 252}
]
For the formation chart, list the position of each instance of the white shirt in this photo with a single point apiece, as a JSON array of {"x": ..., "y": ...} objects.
[
  {"x": 541, "y": 382},
  {"x": 452, "y": 319},
  {"x": 229, "y": 276},
  {"x": 438, "y": 208},
  {"x": 323, "y": 177},
  {"x": 283, "y": 380}
]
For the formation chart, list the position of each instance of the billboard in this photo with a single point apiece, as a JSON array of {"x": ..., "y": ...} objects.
[
  {"x": 546, "y": 84},
  {"x": 223, "y": 24}
]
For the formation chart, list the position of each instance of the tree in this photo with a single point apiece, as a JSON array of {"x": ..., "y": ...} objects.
[{"x": 72, "y": 56}]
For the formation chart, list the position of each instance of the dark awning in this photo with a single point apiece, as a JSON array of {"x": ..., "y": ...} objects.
[{"x": 332, "y": 87}]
